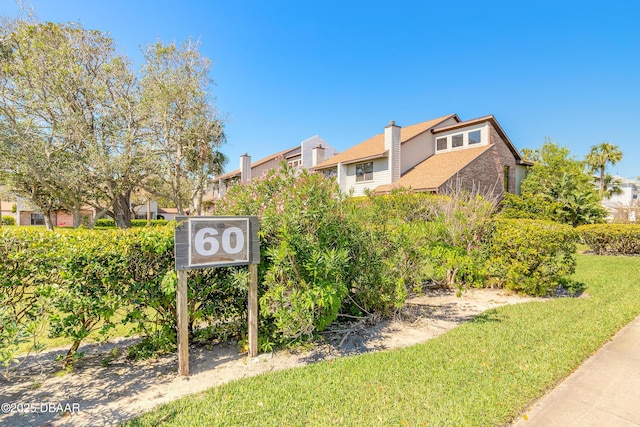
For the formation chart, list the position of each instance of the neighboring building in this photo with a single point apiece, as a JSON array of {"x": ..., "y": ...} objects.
[
  {"x": 624, "y": 207},
  {"x": 433, "y": 156},
  {"x": 6, "y": 208},
  {"x": 28, "y": 214},
  {"x": 309, "y": 153}
]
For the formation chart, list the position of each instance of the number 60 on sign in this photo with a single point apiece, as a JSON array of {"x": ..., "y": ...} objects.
[{"x": 203, "y": 242}]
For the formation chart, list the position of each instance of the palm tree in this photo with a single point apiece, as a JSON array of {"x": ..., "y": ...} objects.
[{"x": 599, "y": 157}]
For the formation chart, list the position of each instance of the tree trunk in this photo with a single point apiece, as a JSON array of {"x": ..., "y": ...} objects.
[
  {"x": 199, "y": 201},
  {"x": 602, "y": 180},
  {"x": 47, "y": 220},
  {"x": 77, "y": 218},
  {"x": 122, "y": 210},
  {"x": 97, "y": 217}
]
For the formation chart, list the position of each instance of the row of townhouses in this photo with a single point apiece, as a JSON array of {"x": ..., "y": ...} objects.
[
  {"x": 438, "y": 155},
  {"x": 433, "y": 156}
]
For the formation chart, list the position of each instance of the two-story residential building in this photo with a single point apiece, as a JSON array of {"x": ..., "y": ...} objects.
[
  {"x": 438, "y": 155},
  {"x": 309, "y": 153}
]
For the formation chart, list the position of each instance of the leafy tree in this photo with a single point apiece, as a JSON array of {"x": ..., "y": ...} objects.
[
  {"x": 599, "y": 157},
  {"x": 182, "y": 123},
  {"x": 558, "y": 180},
  {"x": 69, "y": 118}
]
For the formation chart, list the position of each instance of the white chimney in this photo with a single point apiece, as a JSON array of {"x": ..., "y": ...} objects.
[
  {"x": 245, "y": 168},
  {"x": 392, "y": 145},
  {"x": 317, "y": 155}
]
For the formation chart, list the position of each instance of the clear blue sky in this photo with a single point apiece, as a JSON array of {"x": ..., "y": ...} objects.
[{"x": 288, "y": 70}]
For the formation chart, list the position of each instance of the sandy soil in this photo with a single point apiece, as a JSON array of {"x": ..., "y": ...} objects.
[{"x": 95, "y": 395}]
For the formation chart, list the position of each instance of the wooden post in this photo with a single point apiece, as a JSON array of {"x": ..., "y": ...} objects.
[
  {"x": 253, "y": 310},
  {"x": 183, "y": 328}
]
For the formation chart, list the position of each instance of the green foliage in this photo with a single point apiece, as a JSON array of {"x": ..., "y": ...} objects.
[
  {"x": 27, "y": 268},
  {"x": 598, "y": 158},
  {"x": 615, "y": 239},
  {"x": 416, "y": 238},
  {"x": 105, "y": 222},
  {"x": 8, "y": 220},
  {"x": 531, "y": 256},
  {"x": 558, "y": 189},
  {"x": 306, "y": 247},
  {"x": 77, "y": 281},
  {"x": 533, "y": 206}
]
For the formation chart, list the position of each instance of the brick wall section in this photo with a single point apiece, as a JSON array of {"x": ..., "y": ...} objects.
[{"x": 486, "y": 173}]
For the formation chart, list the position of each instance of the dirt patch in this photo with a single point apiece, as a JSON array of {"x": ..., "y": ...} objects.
[{"x": 97, "y": 395}]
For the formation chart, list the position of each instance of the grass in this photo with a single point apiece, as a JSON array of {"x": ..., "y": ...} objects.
[{"x": 483, "y": 373}]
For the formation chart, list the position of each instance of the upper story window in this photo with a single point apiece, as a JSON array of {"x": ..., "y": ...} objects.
[
  {"x": 294, "y": 163},
  {"x": 364, "y": 172},
  {"x": 457, "y": 140},
  {"x": 474, "y": 137}
]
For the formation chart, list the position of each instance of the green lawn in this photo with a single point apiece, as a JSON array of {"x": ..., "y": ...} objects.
[{"x": 484, "y": 372}]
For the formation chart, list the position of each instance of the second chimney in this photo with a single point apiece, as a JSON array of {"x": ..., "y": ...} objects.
[
  {"x": 392, "y": 145},
  {"x": 317, "y": 155},
  {"x": 245, "y": 168}
]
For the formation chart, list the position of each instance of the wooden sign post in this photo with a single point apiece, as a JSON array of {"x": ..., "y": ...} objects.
[{"x": 206, "y": 242}]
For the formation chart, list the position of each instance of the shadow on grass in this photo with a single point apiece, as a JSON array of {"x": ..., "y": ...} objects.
[
  {"x": 489, "y": 316},
  {"x": 570, "y": 288}
]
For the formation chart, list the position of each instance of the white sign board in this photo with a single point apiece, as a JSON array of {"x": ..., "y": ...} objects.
[{"x": 204, "y": 242}]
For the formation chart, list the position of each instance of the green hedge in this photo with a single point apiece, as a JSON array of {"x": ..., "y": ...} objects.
[
  {"x": 614, "y": 239},
  {"x": 107, "y": 222},
  {"x": 8, "y": 220},
  {"x": 531, "y": 256},
  {"x": 79, "y": 279}
]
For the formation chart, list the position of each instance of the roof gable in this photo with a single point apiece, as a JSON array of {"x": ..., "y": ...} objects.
[
  {"x": 491, "y": 119},
  {"x": 431, "y": 173},
  {"x": 374, "y": 147}
]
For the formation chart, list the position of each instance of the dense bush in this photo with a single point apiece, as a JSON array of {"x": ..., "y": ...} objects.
[
  {"x": 8, "y": 220},
  {"x": 618, "y": 239},
  {"x": 425, "y": 237},
  {"x": 306, "y": 244},
  {"x": 531, "y": 256},
  {"x": 107, "y": 222}
]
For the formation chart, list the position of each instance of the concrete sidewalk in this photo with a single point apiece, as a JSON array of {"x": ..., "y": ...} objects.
[{"x": 603, "y": 391}]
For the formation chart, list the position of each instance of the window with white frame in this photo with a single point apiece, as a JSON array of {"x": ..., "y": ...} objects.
[
  {"x": 294, "y": 163},
  {"x": 364, "y": 172},
  {"x": 474, "y": 137},
  {"x": 441, "y": 143},
  {"x": 457, "y": 140}
]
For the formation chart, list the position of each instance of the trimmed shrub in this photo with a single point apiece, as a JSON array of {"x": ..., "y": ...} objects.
[
  {"x": 615, "y": 239},
  {"x": 27, "y": 269},
  {"x": 8, "y": 220},
  {"x": 531, "y": 256},
  {"x": 144, "y": 222},
  {"x": 105, "y": 222}
]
